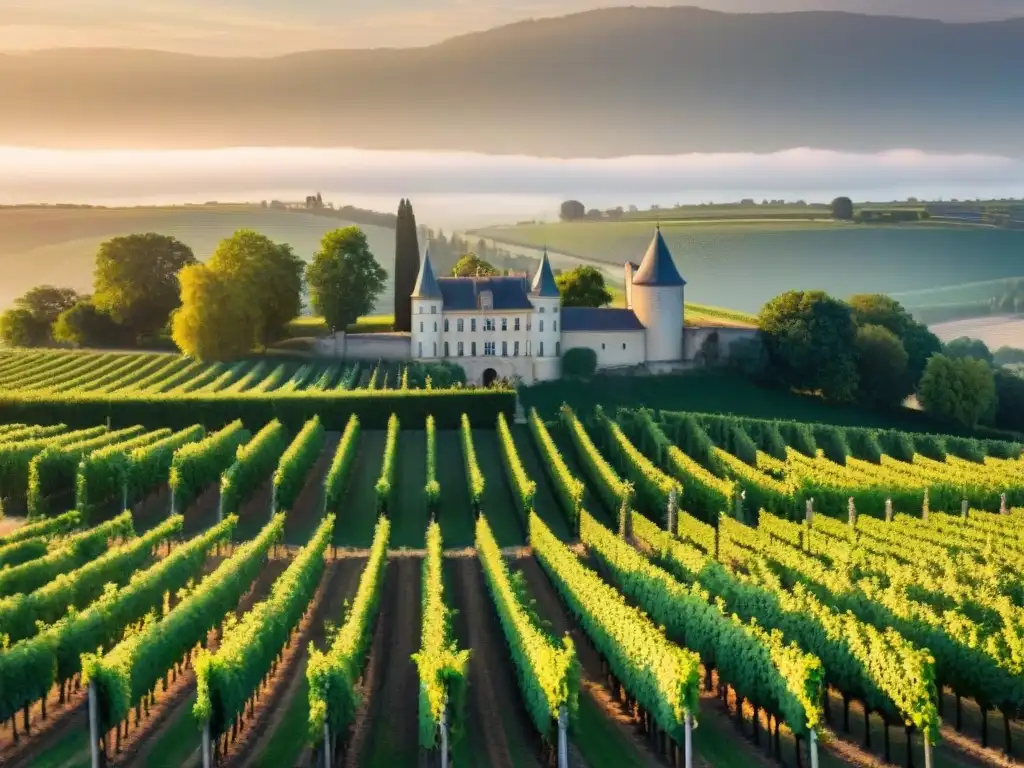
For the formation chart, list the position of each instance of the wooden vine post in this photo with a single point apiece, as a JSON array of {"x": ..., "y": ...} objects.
[
  {"x": 1002, "y": 504},
  {"x": 563, "y": 738},
  {"x": 813, "y": 745},
  {"x": 207, "y": 747},
  {"x": 888, "y": 510},
  {"x": 94, "y": 725},
  {"x": 327, "y": 745},
  {"x": 673, "y": 505},
  {"x": 688, "y": 741}
]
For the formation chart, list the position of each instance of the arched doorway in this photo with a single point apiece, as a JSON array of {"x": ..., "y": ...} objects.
[{"x": 490, "y": 375}]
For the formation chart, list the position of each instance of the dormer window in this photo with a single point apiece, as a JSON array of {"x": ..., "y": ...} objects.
[{"x": 486, "y": 300}]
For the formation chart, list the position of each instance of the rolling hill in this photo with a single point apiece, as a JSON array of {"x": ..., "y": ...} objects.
[{"x": 602, "y": 83}]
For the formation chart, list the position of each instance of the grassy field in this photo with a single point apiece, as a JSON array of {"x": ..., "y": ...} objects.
[
  {"x": 959, "y": 294},
  {"x": 743, "y": 263},
  {"x": 58, "y": 245}
]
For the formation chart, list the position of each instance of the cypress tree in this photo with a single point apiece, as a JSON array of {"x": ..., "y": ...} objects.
[{"x": 407, "y": 265}]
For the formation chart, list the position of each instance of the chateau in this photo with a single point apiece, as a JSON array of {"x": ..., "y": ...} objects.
[{"x": 508, "y": 327}]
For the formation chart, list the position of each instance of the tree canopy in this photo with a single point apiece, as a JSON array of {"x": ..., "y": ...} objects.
[
  {"x": 882, "y": 367},
  {"x": 579, "y": 363},
  {"x": 407, "y": 264},
  {"x": 842, "y": 208},
  {"x": 268, "y": 278},
  {"x": 961, "y": 390},
  {"x": 964, "y": 346},
  {"x": 810, "y": 341},
  {"x": 215, "y": 320},
  {"x": 136, "y": 280},
  {"x": 344, "y": 278},
  {"x": 572, "y": 210},
  {"x": 583, "y": 287},
  {"x": 30, "y": 322},
  {"x": 84, "y": 325},
  {"x": 881, "y": 310},
  {"x": 471, "y": 265}
]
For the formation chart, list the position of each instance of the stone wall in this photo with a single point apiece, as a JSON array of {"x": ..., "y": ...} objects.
[{"x": 364, "y": 346}]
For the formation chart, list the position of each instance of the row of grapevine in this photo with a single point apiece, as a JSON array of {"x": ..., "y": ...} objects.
[
  {"x": 569, "y": 489},
  {"x": 386, "y": 486},
  {"x": 29, "y": 669},
  {"x": 661, "y": 676},
  {"x": 651, "y": 486},
  {"x": 126, "y": 377},
  {"x": 196, "y": 466},
  {"x": 72, "y": 553},
  {"x": 49, "y": 526},
  {"x": 759, "y": 665},
  {"x": 247, "y": 381},
  {"x": 16, "y": 433},
  {"x": 879, "y": 667},
  {"x": 178, "y": 368},
  {"x": 254, "y": 462},
  {"x": 22, "y": 551},
  {"x": 432, "y": 488},
  {"x": 616, "y": 494},
  {"x": 296, "y": 463},
  {"x": 547, "y": 670},
  {"x": 16, "y": 456},
  {"x": 474, "y": 476},
  {"x": 333, "y": 674},
  {"x": 341, "y": 466},
  {"x": 149, "y": 466},
  {"x": 273, "y": 380},
  {"x": 522, "y": 486},
  {"x": 21, "y": 613},
  {"x": 442, "y": 667}
]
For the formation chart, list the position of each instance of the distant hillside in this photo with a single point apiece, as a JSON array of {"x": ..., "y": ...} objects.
[
  {"x": 58, "y": 245},
  {"x": 609, "y": 82}
]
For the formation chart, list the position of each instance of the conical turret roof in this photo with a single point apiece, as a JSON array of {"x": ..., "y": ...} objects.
[
  {"x": 658, "y": 268},
  {"x": 544, "y": 284},
  {"x": 426, "y": 284}
]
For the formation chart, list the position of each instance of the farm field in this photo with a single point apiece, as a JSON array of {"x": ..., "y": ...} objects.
[
  {"x": 57, "y": 246},
  {"x": 742, "y": 264},
  {"x": 766, "y": 580},
  {"x": 997, "y": 331}
]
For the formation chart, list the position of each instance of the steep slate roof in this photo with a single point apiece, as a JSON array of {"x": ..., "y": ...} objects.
[
  {"x": 462, "y": 294},
  {"x": 599, "y": 319},
  {"x": 426, "y": 284},
  {"x": 658, "y": 269},
  {"x": 544, "y": 284}
]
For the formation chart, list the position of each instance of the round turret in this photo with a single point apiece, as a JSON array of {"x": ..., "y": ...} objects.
[{"x": 656, "y": 296}]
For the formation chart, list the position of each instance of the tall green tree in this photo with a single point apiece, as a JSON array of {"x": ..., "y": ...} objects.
[
  {"x": 214, "y": 321},
  {"x": 882, "y": 367},
  {"x": 30, "y": 322},
  {"x": 472, "y": 265},
  {"x": 344, "y": 278},
  {"x": 269, "y": 277},
  {"x": 965, "y": 346},
  {"x": 810, "y": 340},
  {"x": 583, "y": 287},
  {"x": 961, "y": 390},
  {"x": 918, "y": 341},
  {"x": 842, "y": 208},
  {"x": 84, "y": 325},
  {"x": 136, "y": 280},
  {"x": 407, "y": 265}
]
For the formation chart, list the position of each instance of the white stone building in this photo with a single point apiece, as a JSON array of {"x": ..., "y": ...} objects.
[{"x": 507, "y": 327}]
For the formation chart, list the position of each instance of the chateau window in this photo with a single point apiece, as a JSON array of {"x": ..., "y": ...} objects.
[
  {"x": 461, "y": 348},
  {"x": 435, "y": 349},
  {"x": 554, "y": 325},
  {"x": 623, "y": 345},
  {"x": 472, "y": 325},
  {"x": 515, "y": 349},
  {"x": 489, "y": 324},
  {"x": 460, "y": 324},
  {"x": 421, "y": 310},
  {"x": 554, "y": 311},
  {"x": 472, "y": 349},
  {"x": 515, "y": 324},
  {"x": 433, "y": 309},
  {"x": 541, "y": 310},
  {"x": 529, "y": 348},
  {"x": 504, "y": 349},
  {"x": 486, "y": 300},
  {"x": 542, "y": 326},
  {"x": 488, "y": 349},
  {"x": 446, "y": 353},
  {"x": 504, "y": 323},
  {"x": 558, "y": 345},
  {"x": 540, "y": 353},
  {"x": 602, "y": 345},
  {"x": 528, "y": 323},
  {"x": 421, "y": 350},
  {"x": 421, "y": 326},
  {"x": 446, "y": 325},
  {"x": 435, "y": 326}
]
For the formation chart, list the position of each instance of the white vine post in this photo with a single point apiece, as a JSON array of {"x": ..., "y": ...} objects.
[
  {"x": 94, "y": 726},
  {"x": 444, "y": 736},
  {"x": 852, "y": 512},
  {"x": 814, "y": 749},
  {"x": 207, "y": 748},
  {"x": 809, "y": 511},
  {"x": 963, "y": 509},
  {"x": 888, "y": 510},
  {"x": 927, "y": 751},
  {"x": 563, "y": 737},
  {"x": 124, "y": 494},
  {"x": 327, "y": 745},
  {"x": 672, "y": 506},
  {"x": 1002, "y": 503},
  {"x": 688, "y": 742}
]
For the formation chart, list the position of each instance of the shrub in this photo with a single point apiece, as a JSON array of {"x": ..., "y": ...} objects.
[
  {"x": 579, "y": 363},
  {"x": 832, "y": 443}
]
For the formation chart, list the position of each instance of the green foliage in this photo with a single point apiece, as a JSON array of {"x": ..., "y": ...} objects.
[
  {"x": 961, "y": 390},
  {"x": 30, "y": 321},
  {"x": 760, "y": 665},
  {"x": 15, "y": 457},
  {"x": 215, "y": 320},
  {"x": 442, "y": 667},
  {"x": 136, "y": 280},
  {"x": 344, "y": 459},
  {"x": 432, "y": 489},
  {"x": 84, "y": 325},
  {"x": 22, "y": 551},
  {"x": 882, "y": 367},
  {"x": 522, "y": 486},
  {"x": 474, "y": 476},
  {"x": 966, "y": 448},
  {"x": 344, "y": 278},
  {"x": 810, "y": 339},
  {"x": 579, "y": 363},
  {"x": 29, "y": 669},
  {"x": 664, "y": 678},
  {"x": 385, "y": 487},
  {"x": 583, "y": 286},
  {"x": 71, "y": 553},
  {"x": 21, "y": 614},
  {"x": 686, "y": 432},
  {"x": 613, "y": 491},
  {"x": 407, "y": 264},
  {"x": 46, "y": 527},
  {"x": 651, "y": 485},
  {"x": 196, "y": 466},
  {"x": 729, "y": 435},
  {"x": 863, "y": 444},
  {"x": 150, "y": 465},
  {"x": 897, "y": 444},
  {"x": 254, "y": 463},
  {"x": 1009, "y": 412},
  {"x": 333, "y": 674},
  {"x": 832, "y": 442},
  {"x": 842, "y": 208},
  {"x": 226, "y": 679},
  {"x": 569, "y": 488},
  {"x": 471, "y": 265},
  {"x": 296, "y": 463},
  {"x": 547, "y": 671},
  {"x": 966, "y": 347}
]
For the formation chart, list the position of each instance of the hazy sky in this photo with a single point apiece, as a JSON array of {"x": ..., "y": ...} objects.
[{"x": 268, "y": 27}]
